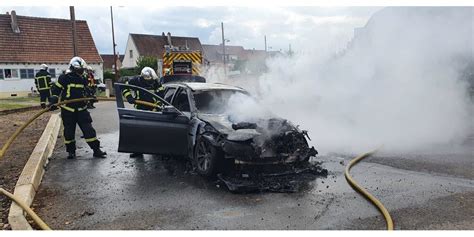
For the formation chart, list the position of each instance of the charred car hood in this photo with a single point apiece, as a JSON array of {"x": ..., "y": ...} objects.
[
  {"x": 244, "y": 131},
  {"x": 262, "y": 140}
]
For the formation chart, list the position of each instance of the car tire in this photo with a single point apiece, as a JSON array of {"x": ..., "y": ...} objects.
[{"x": 206, "y": 157}]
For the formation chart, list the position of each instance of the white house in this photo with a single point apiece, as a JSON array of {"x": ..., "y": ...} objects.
[{"x": 27, "y": 42}]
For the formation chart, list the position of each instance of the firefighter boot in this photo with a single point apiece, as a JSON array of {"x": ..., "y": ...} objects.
[
  {"x": 71, "y": 155},
  {"x": 43, "y": 105},
  {"x": 98, "y": 153}
]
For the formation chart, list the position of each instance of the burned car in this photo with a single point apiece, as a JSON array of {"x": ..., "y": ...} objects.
[{"x": 216, "y": 126}]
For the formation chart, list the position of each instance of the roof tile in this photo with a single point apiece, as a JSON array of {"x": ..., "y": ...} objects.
[{"x": 45, "y": 40}]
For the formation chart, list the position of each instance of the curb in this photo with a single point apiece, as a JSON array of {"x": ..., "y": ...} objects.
[{"x": 32, "y": 173}]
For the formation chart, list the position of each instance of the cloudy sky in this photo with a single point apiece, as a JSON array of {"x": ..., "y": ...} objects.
[{"x": 325, "y": 27}]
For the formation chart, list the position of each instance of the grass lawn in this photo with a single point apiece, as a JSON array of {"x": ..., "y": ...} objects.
[{"x": 18, "y": 102}]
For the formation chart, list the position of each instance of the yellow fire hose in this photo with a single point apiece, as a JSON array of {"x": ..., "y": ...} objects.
[
  {"x": 364, "y": 192},
  {"x": 28, "y": 210},
  {"x": 12, "y": 138}
]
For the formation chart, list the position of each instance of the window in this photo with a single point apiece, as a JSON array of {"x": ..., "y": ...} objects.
[
  {"x": 10, "y": 73},
  {"x": 131, "y": 53},
  {"x": 27, "y": 73},
  {"x": 169, "y": 94},
  {"x": 1, "y": 74},
  {"x": 181, "y": 101},
  {"x": 52, "y": 71}
]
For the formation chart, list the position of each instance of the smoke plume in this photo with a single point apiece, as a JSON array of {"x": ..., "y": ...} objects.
[{"x": 398, "y": 83}]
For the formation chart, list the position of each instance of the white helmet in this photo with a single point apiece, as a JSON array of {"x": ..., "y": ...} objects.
[
  {"x": 44, "y": 67},
  {"x": 77, "y": 64},
  {"x": 148, "y": 73}
]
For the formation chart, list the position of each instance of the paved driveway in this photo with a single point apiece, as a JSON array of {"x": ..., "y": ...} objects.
[{"x": 151, "y": 193}]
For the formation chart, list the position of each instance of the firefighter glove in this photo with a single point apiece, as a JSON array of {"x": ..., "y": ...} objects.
[
  {"x": 131, "y": 100},
  {"x": 52, "y": 107}
]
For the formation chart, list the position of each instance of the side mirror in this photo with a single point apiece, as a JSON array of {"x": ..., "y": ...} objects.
[{"x": 170, "y": 110}]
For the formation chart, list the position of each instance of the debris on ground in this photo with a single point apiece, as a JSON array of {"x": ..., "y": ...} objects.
[
  {"x": 87, "y": 213},
  {"x": 288, "y": 179},
  {"x": 283, "y": 178}
]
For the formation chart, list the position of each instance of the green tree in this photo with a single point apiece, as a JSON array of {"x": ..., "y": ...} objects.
[
  {"x": 108, "y": 74},
  {"x": 146, "y": 61}
]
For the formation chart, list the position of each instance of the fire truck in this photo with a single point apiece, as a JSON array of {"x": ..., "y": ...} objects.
[{"x": 181, "y": 62}]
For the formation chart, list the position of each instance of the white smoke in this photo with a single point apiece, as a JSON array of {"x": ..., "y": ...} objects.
[{"x": 396, "y": 85}]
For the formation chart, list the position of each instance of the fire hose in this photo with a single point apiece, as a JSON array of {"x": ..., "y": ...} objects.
[
  {"x": 12, "y": 138},
  {"x": 364, "y": 192}
]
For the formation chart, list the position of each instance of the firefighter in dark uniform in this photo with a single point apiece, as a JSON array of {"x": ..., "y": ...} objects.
[
  {"x": 89, "y": 74},
  {"x": 70, "y": 86},
  {"x": 149, "y": 81},
  {"x": 43, "y": 84}
]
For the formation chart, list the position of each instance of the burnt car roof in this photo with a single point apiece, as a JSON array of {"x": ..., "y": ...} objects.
[{"x": 199, "y": 86}]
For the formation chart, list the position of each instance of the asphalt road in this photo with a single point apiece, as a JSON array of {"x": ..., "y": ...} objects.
[{"x": 150, "y": 193}]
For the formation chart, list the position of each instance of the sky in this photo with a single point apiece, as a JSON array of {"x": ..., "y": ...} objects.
[{"x": 302, "y": 27}]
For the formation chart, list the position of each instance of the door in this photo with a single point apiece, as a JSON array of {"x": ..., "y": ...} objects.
[{"x": 150, "y": 132}]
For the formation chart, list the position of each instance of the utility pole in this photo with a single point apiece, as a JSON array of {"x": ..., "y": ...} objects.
[
  {"x": 113, "y": 41},
  {"x": 265, "y": 38},
  {"x": 74, "y": 38},
  {"x": 223, "y": 49}
]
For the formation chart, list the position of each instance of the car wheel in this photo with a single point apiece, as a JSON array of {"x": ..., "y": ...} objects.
[{"x": 206, "y": 157}]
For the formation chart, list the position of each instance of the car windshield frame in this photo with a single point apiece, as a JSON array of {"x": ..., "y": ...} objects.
[{"x": 196, "y": 106}]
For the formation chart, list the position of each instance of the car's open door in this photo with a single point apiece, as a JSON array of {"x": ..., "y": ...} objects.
[{"x": 162, "y": 132}]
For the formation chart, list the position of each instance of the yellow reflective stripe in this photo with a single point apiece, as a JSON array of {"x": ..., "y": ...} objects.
[
  {"x": 81, "y": 109},
  {"x": 127, "y": 93},
  {"x": 138, "y": 94},
  {"x": 91, "y": 139},
  {"x": 45, "y": 78},
  {"x": 67, "y": 108},
  {"x": 72, "y": 109},
  {"x": 69, "y": 86},
  {"x": 46, "y": 82},
  {"x": 59, "y": 85},
  {"x": 68, "y": 141}
]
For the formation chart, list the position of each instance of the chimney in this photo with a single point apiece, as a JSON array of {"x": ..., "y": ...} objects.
[
  {"x": 169, "y": 39},
  {"x": 14, "y": 22},
  {"x": 163, "y": 34}
]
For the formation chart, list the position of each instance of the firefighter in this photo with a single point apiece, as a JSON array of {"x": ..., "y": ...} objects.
[
  {"x": 147, "y": 80},
  {"x": 92, "y": 86},
  {"x": 43, "y": 84},
  {"x": 73, "y": 85}
]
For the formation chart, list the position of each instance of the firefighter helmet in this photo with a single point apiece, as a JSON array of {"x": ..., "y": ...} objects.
[
  {"x": 148, "y": 73},
  {"x": 44, "y": 67},
  {"x": 78, "y": 65}
]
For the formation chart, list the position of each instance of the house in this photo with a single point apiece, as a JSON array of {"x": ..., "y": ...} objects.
[
  {"x": 238, "y": 59},
  {"x": 214, "y": 54},
  {"x": 109, "y": 61},
  {"x": 27, "y": 42},
  {"x": 141, "y": 45}
]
